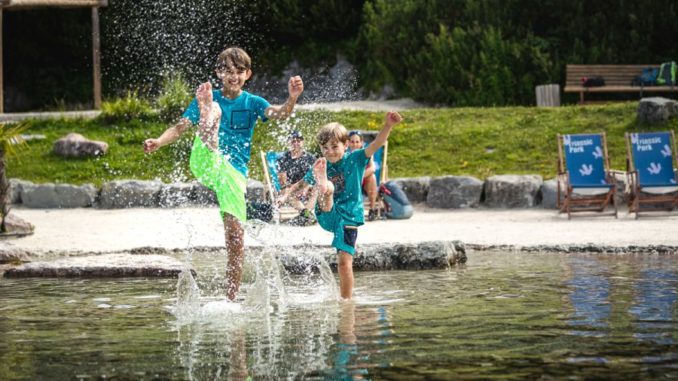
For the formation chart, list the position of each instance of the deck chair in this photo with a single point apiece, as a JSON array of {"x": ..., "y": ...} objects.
[
  {"x": 584, "y": 175},
  {"x": 652, "y": 179},
  {"x": 268, "y": 160}
]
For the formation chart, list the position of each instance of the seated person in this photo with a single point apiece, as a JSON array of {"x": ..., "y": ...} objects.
[
  {"x": 369, "y": 184},
  {"x": 291, "y": 168}
]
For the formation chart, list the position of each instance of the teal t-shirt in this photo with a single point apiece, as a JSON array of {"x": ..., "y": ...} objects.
[
  {"x": 238, "y": 117},
  {"x": 347, "y": 176}
]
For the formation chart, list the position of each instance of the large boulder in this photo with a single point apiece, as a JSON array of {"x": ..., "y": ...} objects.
[
  {"x": 415, "y": 188},
  {"x": 57, "y": 195},
  {"x": 454, "y": 192},
  {"x": 15, "y": 188},
  {"x": 549, "y": 194},
  {"x": 102, "y": 265},
  {"x": 512, "y": 191},
  {"x": 76, "y": 145},
  {"x": 17, "y": 226},
  {"x": 203, "y": 196},
  {"x": 379, "y": 257},
  {"x": 255, "y": 191},
  {"x": 129, "y": 194},
  {"x": 656, "y": 109},
  {"x": 176, "y": 194}
]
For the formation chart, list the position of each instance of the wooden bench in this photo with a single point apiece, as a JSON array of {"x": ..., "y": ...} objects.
[{"x": 617, "y": 79}]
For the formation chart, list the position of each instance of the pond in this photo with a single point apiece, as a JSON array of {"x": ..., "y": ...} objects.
[{"x": 502, "y": 315}]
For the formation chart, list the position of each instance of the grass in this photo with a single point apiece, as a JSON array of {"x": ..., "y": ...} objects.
[{"x": 479, "y": 142}]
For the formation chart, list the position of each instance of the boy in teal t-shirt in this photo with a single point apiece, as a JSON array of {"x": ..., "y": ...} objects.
[
  {"x": 336, "y": 179},
  {"x": 221, "y": 148}
]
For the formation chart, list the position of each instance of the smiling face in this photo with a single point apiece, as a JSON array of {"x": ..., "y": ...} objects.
[
  {"x": 333, "y": 150},
  {"x": 233, "y": 79},
  {"x": 355, "y": 142}
]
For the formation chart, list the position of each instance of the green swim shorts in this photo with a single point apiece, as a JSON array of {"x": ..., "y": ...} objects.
[{"x": 215, "y": 172}]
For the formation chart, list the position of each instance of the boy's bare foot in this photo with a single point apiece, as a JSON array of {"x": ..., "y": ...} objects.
[{"x": 320, "y": 175}]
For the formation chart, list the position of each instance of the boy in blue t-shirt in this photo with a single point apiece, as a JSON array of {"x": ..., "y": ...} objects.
[
  {"x": 337, "y": 194},
  {"x": 221, "y": 149}
]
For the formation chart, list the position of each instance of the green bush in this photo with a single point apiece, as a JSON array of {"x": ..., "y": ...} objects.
[
  {"x": 476, "y": 66},
  {"x": 130, "y": 107},
  {"x": 174, "y": 97}
]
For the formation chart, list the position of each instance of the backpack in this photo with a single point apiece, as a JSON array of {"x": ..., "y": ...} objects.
[
  {"x": 667, "y": 74},
  {"x": 397, "y": 204},
  {"x": 648, "y": 77},
  {"x": 595, "y": 81}
]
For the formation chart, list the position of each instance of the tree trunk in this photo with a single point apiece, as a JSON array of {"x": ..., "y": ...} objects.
[{"x": 4, "y": 192}]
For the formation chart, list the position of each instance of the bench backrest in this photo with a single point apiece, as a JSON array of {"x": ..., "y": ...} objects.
[{"x": 614, "y": 75}]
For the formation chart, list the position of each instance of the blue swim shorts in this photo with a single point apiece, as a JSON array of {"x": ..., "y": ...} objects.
[{"x": 345, "y": 233}]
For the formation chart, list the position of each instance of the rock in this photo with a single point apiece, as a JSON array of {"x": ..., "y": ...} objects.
[
  {"x": 16, "y": 225},
  {"x": 512, "y": 191},
  {"x": 656, "y": 110},
  {"x": 454, "y": 192},
  {"x": 58, "y": 196},
  {"x": 129, "y": 194},
  {"x": 103, "y": 265},
  {"x": 203, "y": 195},
  {"x": 415, "y": 188},
  {"x": 379, "y": 257},
  {"x": 549, "y": 194},
  {"x": 76, "y": 145},
  {"x": 255, "y": 191},
  {"x": 177, "y": 194},
  {"x": 13, "y": 255},
  {"x": 15, "y": 188}
]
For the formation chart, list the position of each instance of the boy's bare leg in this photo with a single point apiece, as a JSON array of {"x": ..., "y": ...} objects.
[
  {"x": 345, "y": 274},
  {"x": 324, "y": 188},
  {"x": 235, "y": 246},
  {"x": 210, "y": 116}
]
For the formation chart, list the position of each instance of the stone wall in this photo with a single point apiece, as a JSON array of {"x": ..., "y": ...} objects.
[{"x": 443, "y": 192}]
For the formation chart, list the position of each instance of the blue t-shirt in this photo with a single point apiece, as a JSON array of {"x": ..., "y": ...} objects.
[
  {"x": 347, "y": 176},
  {"x": 238, "y": 117}
]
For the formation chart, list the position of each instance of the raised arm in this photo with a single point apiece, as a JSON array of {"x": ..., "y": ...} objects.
[
  {"x": 168, "y": 137},
  {"x": 295, "y": 87},
  {"x": 204, "y": 96},
  {"x": 392, "y": 118}
]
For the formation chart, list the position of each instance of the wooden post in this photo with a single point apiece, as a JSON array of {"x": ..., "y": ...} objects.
[
  {"x": 96, "y": 58},
  {"x": 2, "y": 98}
]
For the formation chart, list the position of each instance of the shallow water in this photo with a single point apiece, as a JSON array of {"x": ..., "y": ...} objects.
[{"x": 503, "y": 316}]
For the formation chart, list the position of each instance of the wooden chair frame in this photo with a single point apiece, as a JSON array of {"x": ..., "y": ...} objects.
[
  {"x": 637, "y": 197},
  {"x": 570, "y": 202}
]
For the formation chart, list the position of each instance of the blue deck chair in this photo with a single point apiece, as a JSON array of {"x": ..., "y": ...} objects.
[
  {"x": 269, "y": 160},
  {"x": 584, "y": 175},
  {"x": 651, "y": 173}
]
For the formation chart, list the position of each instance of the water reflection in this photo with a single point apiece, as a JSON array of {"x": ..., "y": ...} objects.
[
  {"x": 573, "y": 317},
  {"x": 654, "y": 300},
  {"x": 588, "y": 279}
]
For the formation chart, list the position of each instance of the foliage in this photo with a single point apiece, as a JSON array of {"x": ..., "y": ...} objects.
[
  {"x": 479, "y": 142},
  {"x": 453, "y": 52},
  {"x": 127, "y": 108},
  {"x": 485, "y": 52},
  {"x": 10, "y": 137},
  {"x": 174, "y": 97}
]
